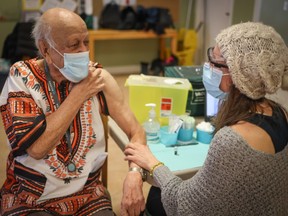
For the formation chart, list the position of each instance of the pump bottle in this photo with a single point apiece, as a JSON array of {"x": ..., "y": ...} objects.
[{"x": 151, "y": 125}]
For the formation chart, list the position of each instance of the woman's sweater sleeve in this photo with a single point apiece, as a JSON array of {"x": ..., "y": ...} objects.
[{"x": 213, "y": 182}]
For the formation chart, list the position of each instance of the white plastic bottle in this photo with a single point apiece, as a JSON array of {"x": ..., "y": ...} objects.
[{"x": 152, "y": 126}]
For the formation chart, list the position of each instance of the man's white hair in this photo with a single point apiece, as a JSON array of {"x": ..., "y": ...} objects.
[{"x": 42, "y": 31}]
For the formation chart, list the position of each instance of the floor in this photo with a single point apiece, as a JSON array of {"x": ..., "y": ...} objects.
[{"x": 117, "y": 167}]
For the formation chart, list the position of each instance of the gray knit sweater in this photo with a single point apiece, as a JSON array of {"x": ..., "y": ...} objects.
[{"x": 234, "y": 180}]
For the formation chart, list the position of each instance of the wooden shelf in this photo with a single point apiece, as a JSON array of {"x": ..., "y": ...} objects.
[{"x": 100, "y": 35}]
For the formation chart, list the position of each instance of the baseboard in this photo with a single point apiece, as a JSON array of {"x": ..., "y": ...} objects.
[{"x": 125, "y": 69}]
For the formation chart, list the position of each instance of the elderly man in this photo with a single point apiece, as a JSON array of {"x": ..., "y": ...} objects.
[{"x": 51, "y": 108}]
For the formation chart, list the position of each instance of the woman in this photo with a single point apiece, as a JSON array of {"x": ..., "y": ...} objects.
[{"x": 245, "y": 172}]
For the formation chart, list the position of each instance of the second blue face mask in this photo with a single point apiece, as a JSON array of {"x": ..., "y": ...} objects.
[{"x": 211, "y": 79}]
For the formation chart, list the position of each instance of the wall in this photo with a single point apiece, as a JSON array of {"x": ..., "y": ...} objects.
[
  {"x": 6, "y": 28},
  {"x": 183, "y": 13},
  {"x": 10, "y": 9},
  {"x": 10, "y": 13},
  {"x": 272, "y": 13},
  {"x": 242, "y": 11}
]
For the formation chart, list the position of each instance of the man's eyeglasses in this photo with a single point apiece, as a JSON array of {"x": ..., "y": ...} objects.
[{"x": 213, "y": 60}]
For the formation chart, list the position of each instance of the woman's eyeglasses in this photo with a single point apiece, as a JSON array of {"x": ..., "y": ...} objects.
[{"x": 213, "y": 60}]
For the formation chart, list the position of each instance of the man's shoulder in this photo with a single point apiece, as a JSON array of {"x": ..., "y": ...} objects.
[{"x": 24, "y": 68}]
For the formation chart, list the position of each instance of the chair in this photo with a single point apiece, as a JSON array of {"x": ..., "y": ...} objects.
[
  {"x": 104, "y": 175},
  {"x": 186, "y": 53}
]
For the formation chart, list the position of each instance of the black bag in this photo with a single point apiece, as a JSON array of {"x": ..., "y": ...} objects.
[
  {"x": 141, "y": 14},
  {"x": 128, "y": 18},
  {"x": 157, "y": 66},
  {"x": 165, "y": 18},
  {"x": 110, "y": 16},
  {"x": 158, "y": 19}
]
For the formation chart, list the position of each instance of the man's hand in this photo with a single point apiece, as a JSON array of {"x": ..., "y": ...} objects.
[
  {"x": 92, "y": 84},
  {"x": 133, "y": 201}
]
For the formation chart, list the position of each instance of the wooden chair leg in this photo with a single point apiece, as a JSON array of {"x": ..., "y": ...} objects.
[{"x": 104, "y": 175}]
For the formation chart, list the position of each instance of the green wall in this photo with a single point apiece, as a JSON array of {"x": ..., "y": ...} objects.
[
  {"x": 183, "y": 11},
  {"x": 242, "y": 11},
  {"x": 272, "y": 13},
  {"x": 5, "y": 29},
  {"x": 10, "y": 10},
  {"x": 125, "y": 52}
]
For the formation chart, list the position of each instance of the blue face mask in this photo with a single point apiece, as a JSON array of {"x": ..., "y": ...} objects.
[
  {"x": 211, "y": 79},
  {"x": 76, "y": 65}
]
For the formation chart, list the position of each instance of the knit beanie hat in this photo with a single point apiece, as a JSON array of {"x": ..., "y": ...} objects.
[{"x": 257, "y": 58}]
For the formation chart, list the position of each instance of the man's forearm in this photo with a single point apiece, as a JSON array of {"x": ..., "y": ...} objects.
[{"x": 138, "y": 135}]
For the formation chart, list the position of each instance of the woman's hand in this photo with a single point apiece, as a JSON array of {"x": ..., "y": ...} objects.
[{"x": 141, "y": 155}]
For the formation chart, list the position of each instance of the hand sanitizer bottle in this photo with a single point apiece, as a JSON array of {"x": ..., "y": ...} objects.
[{"x": 152, "y": 126}]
